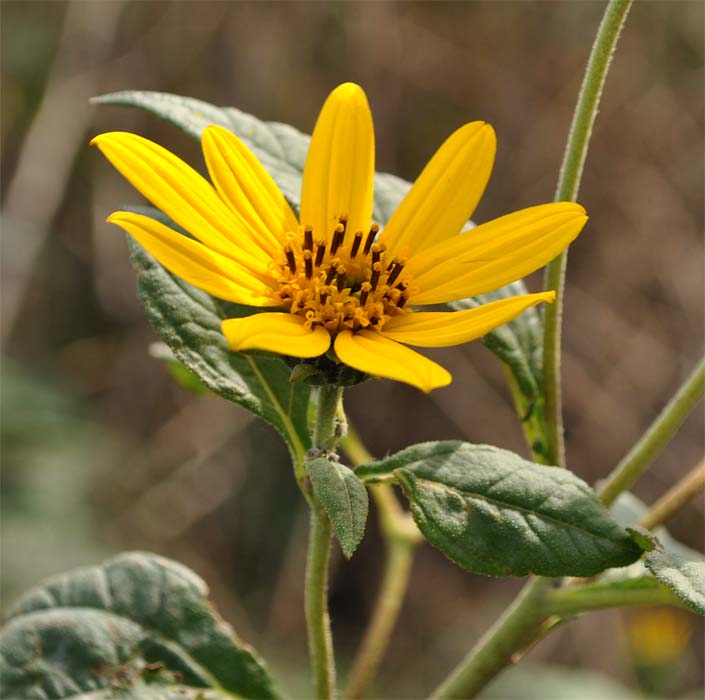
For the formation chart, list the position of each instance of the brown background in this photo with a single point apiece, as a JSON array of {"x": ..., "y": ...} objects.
[{"x": 102, "y": 452}]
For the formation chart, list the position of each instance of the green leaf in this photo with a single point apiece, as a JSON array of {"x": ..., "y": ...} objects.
[
  {"x": 344, "y": 498},
  {"x": 519, "y": 346},
  {"x": 188, "y": 321},
  {"x": 685, "y": 577},
  {"x": 135, "y": 620},
  {"x": 492, "y": 512}
]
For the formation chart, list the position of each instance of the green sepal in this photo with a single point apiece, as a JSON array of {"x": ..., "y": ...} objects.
[
  {"x": 135, "y": 623},
  {"x": 344, "y": 498},
  {"x": 495, "y": 513}
]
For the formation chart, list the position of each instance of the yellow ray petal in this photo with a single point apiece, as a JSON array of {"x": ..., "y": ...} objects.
[
  {"x": 495, "y": 253},
  {"x": 282, "y": 333},
  {"x": 247, "y": 187},
  {"x": 446, "y": 193},
  {"x": 440, "y": 329},
  {"x": 339, "y": 167},
  {"x": 371, "y": 352},
  {"x": 182, "y": 194},
  {"x": 194, "y": 262}
]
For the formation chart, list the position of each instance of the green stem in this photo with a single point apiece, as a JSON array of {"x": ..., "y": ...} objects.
[
  {"x": 320, "y": 641},
  {"x": 567, "y": 190},
  {"x": 656, "y": 437},
  {"x": 675, "y": 498},
  {"x": 401, "y": 539},
  {"x": 572, "y": 601},
  {"x": 511, "y": 633},
  {"x": 324, "y": 432}
]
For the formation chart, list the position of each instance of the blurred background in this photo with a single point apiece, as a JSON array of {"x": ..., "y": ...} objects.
[{"x": 103, "y": 452}]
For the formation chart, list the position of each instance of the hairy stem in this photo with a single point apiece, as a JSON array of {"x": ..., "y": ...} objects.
[
  {"x": 656, "y": 437},
  {"x": 567, "y": 190},
  {"x": 401, "y": 540},
  {"x": 675, "y": 498},
  {"x": 320, "y": 641}
]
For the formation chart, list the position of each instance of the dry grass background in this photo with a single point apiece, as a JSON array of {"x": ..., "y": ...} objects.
[{"x": 102, "y": 452}]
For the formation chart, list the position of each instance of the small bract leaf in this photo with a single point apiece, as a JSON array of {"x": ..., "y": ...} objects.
[
  {"x": 685, "y": 577},
  {"x": 135, "y": 620},
  {"x": 492, "y": 512},
  {"x": 344, "y": 498}
]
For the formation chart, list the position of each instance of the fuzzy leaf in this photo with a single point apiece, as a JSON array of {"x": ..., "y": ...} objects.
[
  {"x": 685, "y": 577},
  {"x": 344, "y": 498},
  {"x": 188, "y": 321},
  {"x": 135, "y": 621},
  {"x": 492, "y": 512}
]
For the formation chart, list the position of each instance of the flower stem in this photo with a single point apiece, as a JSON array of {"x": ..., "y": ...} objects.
[
  {"x": 567, "y": 190},
  {"x": 401, "y": 539},
  {"x": 511, "y": 633},
  {"x": 656, "y": 437},
  {"x": 320, "y": 640},
  {"x": 675, "y": 498},
  {"x": 324, "y": 432}
]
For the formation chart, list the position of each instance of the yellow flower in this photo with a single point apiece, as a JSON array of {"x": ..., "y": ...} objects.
[{"x": 332, "y": 277}]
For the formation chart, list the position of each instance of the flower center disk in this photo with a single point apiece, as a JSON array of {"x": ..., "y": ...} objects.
[{"x": 344, "y": 285}]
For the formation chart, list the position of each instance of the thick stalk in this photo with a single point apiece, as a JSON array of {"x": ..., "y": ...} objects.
[
  {"x": 401, "y": 538},
  {"x": 656, "y": 437},
  {"x": 320, "y": 641},
  {"x": 567, "y": 191},
  {"x": 511, "y": 633},
  {"x": 675, "y": 498}
]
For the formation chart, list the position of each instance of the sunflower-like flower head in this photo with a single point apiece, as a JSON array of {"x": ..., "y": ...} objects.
[{"x": 338, "y": 286}]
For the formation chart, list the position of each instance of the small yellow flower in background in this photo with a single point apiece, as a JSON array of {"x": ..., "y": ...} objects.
[{"x": 333, "y": 277}]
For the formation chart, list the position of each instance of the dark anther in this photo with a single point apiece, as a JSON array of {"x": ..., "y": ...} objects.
[
  {"x": 376, "y": 255},
  {"x": 370, "y": 238},
  {"x": 331, "y": 274},
  {"x": 338, "y": 237},
  {"x": 356, "y": 244},
  {"x": 394, "y": 274},
  {"x": 308, "y": 238},
  {"x": 366, "y": 289},
  {"x": 324, "y": 298},
  {"x": 374, "y": 277},
  {"x": 402, "y": 301},
  {"x": 308, "y": 264},
  {"x": 340, "y": 279},
  {"x": 290, "y": 259},
  {"x": 320, "y": 253}
]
